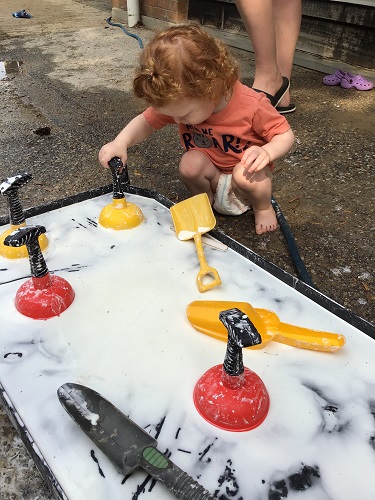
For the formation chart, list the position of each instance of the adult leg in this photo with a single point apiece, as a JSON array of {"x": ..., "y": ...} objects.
[
  {"x": 199, "y": 174},
  {"x": 273, "y": 28},
  {"x": 258, "y": 18},
  {"x": 287, "y": 19}
]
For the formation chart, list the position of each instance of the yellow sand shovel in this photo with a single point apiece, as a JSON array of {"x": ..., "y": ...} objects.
[
  {"x": 192, "y": 218},
  {"x": 204, "y": 316}
]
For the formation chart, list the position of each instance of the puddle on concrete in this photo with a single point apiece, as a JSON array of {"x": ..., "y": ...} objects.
[{"x": 8, "y": 68}]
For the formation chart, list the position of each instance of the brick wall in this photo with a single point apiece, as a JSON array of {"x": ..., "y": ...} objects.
[
  {"x": 173, "y": 11},
  {"x": 119, "y": 4}
]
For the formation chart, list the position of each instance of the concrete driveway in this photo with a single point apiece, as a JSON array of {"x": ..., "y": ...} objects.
[{"x": 68, "y": 70}]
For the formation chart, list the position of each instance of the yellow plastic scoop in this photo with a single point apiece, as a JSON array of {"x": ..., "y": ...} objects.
[
  {"x": 192, "y": 218},
  {"x": 204, "y": 316}
]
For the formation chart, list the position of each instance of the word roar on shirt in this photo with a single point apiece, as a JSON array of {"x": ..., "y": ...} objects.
[{"x": 225, "y": 142}]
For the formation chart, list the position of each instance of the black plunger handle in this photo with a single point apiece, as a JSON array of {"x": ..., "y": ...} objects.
[
  {"x": 9, "y": 187},
  {"x": 175, "y": 479},
  {"x": 116, "y": 165},
  {"x": 28, "y": 236},
  {"x": 241, "y": 333}
]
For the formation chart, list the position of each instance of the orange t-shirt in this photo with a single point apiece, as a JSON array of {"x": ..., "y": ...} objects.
[{"x": 248, "y": 119}]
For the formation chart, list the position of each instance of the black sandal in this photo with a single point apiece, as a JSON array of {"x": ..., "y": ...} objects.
[
  {"x": 275, "y": 99},
  {"x": 284, "y": 110}
]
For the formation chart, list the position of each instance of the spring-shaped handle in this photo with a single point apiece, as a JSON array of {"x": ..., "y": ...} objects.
[
  {"x": 28, "y": 236},
  {"x": 9, "y": 187},
  {"x": 241, "y": 333}
]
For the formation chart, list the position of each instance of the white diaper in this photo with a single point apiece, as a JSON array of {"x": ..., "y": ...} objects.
[{"x": 225, "y": 201}]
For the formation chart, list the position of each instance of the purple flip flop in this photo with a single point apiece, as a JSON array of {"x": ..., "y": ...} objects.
[{"x": 358, "y": 82}]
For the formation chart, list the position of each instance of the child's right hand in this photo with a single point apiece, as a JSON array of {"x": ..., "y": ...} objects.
[{"x": 109, "y": 151}]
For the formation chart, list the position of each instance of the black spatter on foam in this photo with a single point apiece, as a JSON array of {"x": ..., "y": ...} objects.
[
  {"x": 92, "y": 222},
  {"x": 278, "y": 490},
  {"x": 228, "y": 482},
  {"x": 205, "y": 451},
  {"x": 79, "y": 224},
  {"x": 159, "y": 427},
  {"x": 303, "y": 479},
  {"x": 92, "y": 453},
  {"x": 372, "y": 411},
  {"x": 331, "y": 414},
  {"x": 299, "y": 481},
  {"x": 13, "y": 355},
  {"x": 331, "y": 408}
]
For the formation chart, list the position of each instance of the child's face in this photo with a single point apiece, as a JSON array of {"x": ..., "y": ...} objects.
[{"x": 189, "y": 112}]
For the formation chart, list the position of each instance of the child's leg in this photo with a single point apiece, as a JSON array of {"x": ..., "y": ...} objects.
[
  {"x": 199, "y": 174},
  {"x": 256, "y": 191}
]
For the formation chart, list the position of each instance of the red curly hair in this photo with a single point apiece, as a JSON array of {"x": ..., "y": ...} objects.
[{"x": 184, "y": 62}]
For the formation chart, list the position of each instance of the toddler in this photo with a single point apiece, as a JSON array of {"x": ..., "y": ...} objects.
[{"x": 231, "y": 134}]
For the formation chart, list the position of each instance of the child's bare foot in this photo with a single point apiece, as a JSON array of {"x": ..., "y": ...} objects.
[{"x": 265, "y": 220}]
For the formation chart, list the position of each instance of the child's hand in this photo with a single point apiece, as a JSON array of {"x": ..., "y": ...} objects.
[
  {"x": 111, "y": 149},
  {"x": 254, "y": 159},
  {"x": 136, "y": 131}
]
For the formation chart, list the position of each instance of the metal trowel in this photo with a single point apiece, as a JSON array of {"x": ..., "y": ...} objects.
[{"x": 126, "y": 444}]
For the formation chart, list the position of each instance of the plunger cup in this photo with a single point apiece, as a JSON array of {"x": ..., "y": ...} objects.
[
  {"x": 119, "y": 214},
  {"x": 18, "y": 252},
  {"x": 231, "y": 396},
  {"x": 9, "y": 188},
  {"x": 43, "y": 296}
]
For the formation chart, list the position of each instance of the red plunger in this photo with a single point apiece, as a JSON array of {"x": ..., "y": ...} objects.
[
  {"x": 43, "y": 296},
  {"x": 231, "y": 396}
]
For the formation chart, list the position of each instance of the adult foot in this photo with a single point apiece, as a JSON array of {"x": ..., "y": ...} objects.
[
  {"x": 285, "y": 101},
  {"x": 268, "y": 83},
  {"x": 265, "y": 220},
  {"x": 275, "y": 96}
]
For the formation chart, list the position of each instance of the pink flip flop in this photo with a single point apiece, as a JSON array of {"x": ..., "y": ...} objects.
[
  {"x": 334, "y": 79},
  {"x": 350, "y": 81}
]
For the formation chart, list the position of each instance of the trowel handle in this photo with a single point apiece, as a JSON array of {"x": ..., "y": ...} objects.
[
  {"x": 305, "y": 338},
  {"x": 205, "y": 269},
  {"x": 175, "y": 479}
]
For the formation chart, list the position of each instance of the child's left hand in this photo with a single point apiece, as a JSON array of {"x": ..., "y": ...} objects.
[{"x": 254, "y": 159}]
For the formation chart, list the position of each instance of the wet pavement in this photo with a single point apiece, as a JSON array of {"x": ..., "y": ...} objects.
[{"x": 65, "y": 89}]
